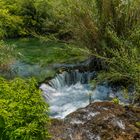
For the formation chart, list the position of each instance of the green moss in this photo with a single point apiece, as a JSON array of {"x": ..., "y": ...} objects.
[
  {"x": 115, "y": 101},
  {"x": 138, "y": 124}
]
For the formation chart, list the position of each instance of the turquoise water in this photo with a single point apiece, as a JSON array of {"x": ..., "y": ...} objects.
[
  {"x": 33, "y": 51},
  {"x": 36, "y": 58}
]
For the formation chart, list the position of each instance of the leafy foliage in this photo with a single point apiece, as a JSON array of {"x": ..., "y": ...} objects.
[
  {"x": 91, "y": 22},
  {"x": 111, "y": 31},
  {"x": 21, "y": 18},
  {"x": 11, "y": 24},
  {"x": 23, "y": 112},
  {"x": 124, "y": 67}
]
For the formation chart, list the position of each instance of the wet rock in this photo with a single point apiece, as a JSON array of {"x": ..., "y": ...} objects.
[
  {"x": 91, "y": 64},
  {"x": 98, "y": 121}
]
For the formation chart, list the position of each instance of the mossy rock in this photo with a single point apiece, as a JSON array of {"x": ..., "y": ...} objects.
[{"x": 115, "y": 101}]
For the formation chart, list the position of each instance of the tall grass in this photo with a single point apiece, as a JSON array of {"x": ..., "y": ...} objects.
[{"x": 7, "y": 56}]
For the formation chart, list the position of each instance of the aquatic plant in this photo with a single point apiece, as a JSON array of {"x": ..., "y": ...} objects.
[{"x": 7, "y": 56}]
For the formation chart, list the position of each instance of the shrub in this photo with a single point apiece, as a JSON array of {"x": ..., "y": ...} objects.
[
  {"x": 21, "y": 18},
  {"x": 90, "y": 21},
  {"x": 23, "y": 112},
  {"x": 111, "y": 31},
  {"x": 123, "y": 67},
  {"x": 10, "y": 25}
]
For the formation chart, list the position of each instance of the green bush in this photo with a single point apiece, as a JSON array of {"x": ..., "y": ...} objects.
[
  {"x": 124, "y": 67},
  {"x": 90, "y": 21},
  {"x": 23, "y": 112},
  {"x": 35, "y": 14},
  {"x": 110, "y": 30},
  {"x": 24, "y": 17},
  {"x": 10, "y": 25}
]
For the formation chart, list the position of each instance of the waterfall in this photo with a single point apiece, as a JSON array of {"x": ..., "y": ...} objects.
[
  {"x": 71, "y": 90},
  {"x": 71, "y": 78}
]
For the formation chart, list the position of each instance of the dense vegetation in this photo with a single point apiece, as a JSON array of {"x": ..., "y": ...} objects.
[
  {"x": 111, "y": 31},
  {"x": 20, "y": 18},
  {"x": 107, "y": 29},
  {"x": 23, "y": 112}
]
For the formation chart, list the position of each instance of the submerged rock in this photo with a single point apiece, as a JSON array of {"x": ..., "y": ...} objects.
[{"x": 98, "y": 121}]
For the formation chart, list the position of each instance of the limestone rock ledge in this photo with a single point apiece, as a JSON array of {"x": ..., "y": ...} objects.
[{"x": 99, "y": 121}]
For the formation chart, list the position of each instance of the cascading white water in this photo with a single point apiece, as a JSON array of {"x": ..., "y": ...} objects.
[{"x": 71, "y": 90}]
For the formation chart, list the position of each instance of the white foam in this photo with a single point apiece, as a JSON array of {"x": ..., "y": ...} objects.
[{"x": 69, "y": 91}]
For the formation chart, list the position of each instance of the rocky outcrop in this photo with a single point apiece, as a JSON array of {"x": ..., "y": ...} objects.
[
  {"x": 99, "y": 121},
  {"x": 91, "y": 64}
]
